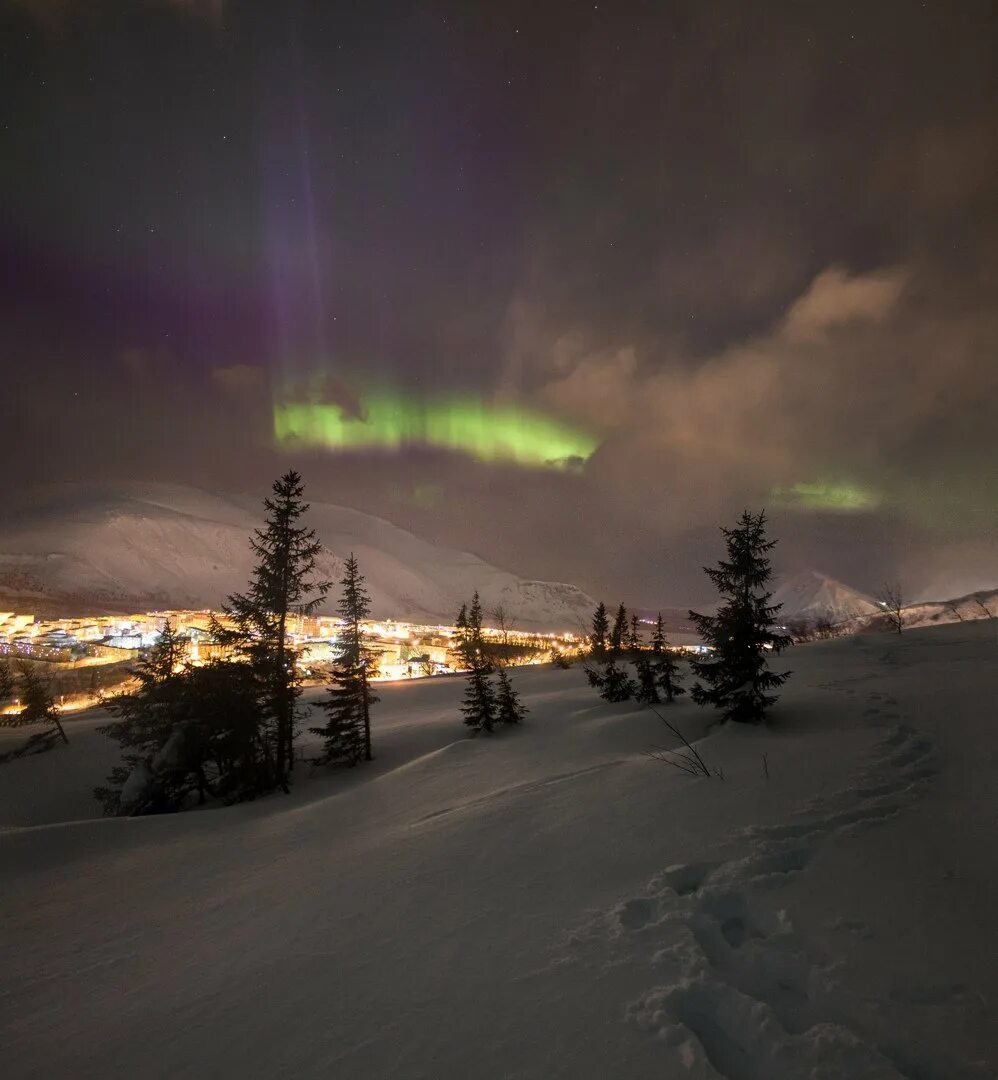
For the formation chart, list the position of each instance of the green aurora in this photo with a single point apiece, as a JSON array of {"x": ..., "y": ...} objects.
[
  {"x": 465, "y": 424},
  {"x": 821, "y": 495}
]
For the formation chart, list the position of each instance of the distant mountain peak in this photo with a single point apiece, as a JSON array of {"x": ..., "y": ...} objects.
[{"x": 811, "y": 595}]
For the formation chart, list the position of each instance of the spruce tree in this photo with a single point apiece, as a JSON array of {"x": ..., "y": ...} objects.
[
  {"x": 617, "y": 685},
  {"x": 39, "y": 705},
  {"x": 281, "y": 583},
  {"x": 461, "y": 633},
  {"x": 347, "y": 732},
  {"x": 601, "y": 629},
  {"x": 509, "y": 708},
  {"x": 658, "y": 637},
  {"x": 634, "y": 634},
  {"x": 184, "y": 730},
  {"x": 476, "y": 639},
  {"x": 479, "y": 706},
  {"x": 647, "y": 692},
  {"x": 146, "y": 717},
  {"x": 669, "y": 675},
  {"x": 618, "y": 635},
  {"x": 736, "y": 678}
]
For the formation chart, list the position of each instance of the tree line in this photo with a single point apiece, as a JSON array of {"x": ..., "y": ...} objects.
[
  {"x": 734, "y": 676},
  {"x": 227, "y": 730}
]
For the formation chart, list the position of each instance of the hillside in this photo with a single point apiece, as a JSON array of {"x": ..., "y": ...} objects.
[
  {"x": 811, "y": 596},
  {"x": 545, "y": 903},
  {"x": 977, "y": 605},
  {"x": 170, "y": 546}
]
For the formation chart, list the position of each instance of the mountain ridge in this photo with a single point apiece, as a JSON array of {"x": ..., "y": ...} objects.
[{"x": 175, "y": 546}]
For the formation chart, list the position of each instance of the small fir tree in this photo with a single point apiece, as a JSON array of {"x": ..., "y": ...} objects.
[
  {"x": 601, "y": 630},
  {"x": 618, "y": 635},
  {"x": 658, "y": 636},
  {"x": 509, "y": 708},
  {"x": 736, "y": 678},
  {"x": 479, "y": 706},
  {"x": 634, "y": 633},
  {"x": 38, "y": 708},
  {"x": 347, "y": 731},
  {"x": 617, "y": 685},
  {"x": 647, "y": 692},
  {"x": 38, "y": 704},
  {"x": 476, "y": 639},
  {"x": 669, "y": 675}
]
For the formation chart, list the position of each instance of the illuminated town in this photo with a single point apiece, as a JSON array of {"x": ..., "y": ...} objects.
[{"x": 89, "y": 658}]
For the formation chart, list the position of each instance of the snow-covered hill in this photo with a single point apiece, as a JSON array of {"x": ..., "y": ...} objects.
[
  {"x": 544, "y": 904},
  {"x": 811, "y": 596},
  {"x": 977, "y": 605},
  {"x": 171, "y": 546}
]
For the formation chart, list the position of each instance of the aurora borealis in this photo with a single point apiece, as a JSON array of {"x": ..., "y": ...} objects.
[
  {"x": 564, "y": 285},
  {"x": 840, "y": 497},
  {"x": 392, "y": 421}
]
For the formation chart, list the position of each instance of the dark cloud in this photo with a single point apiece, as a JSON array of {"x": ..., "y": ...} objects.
[{"x": 751, "y": 247}]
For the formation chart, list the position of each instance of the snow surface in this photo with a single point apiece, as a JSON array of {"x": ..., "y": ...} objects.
[
  {"x": 547, "y": 902},
  {"x": 172, "y": 546}
]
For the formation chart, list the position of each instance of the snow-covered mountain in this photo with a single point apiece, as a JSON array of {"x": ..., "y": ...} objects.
[
  {"x": 811, "y": 596},
  {"x": 172, "y": 546}
]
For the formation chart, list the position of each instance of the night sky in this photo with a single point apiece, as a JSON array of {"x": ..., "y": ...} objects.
[{"x": 733, "y": 254}]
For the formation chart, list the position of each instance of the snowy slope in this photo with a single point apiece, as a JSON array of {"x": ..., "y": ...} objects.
[
  {"x": 810, "y": 596},
  {"x": 545, "y": 903},
  {"x": 977, "y": 605},
  {"x": 171, "y": 546}
]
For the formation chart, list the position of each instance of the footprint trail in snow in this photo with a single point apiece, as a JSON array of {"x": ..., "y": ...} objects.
[{"x": 742, "y": 995}]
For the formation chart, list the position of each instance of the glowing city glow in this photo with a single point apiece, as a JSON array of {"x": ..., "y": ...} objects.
[
  {"x": 821, "y": 495},
  {"x": 465, "y": 424}
]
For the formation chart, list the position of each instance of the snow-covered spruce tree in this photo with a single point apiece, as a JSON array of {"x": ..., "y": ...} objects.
[
  {"x": 479, "y": 705},
  {"x": 509, "y": 708},
  {"x": 146, "y": 719},
  {"x": 183, "y": 731},
  {"x": 280, "y": 584},
  {"x": 347, "y": 731},
  {"x": 736, "y": 678},
  {"x": 600, "y": 633}
]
